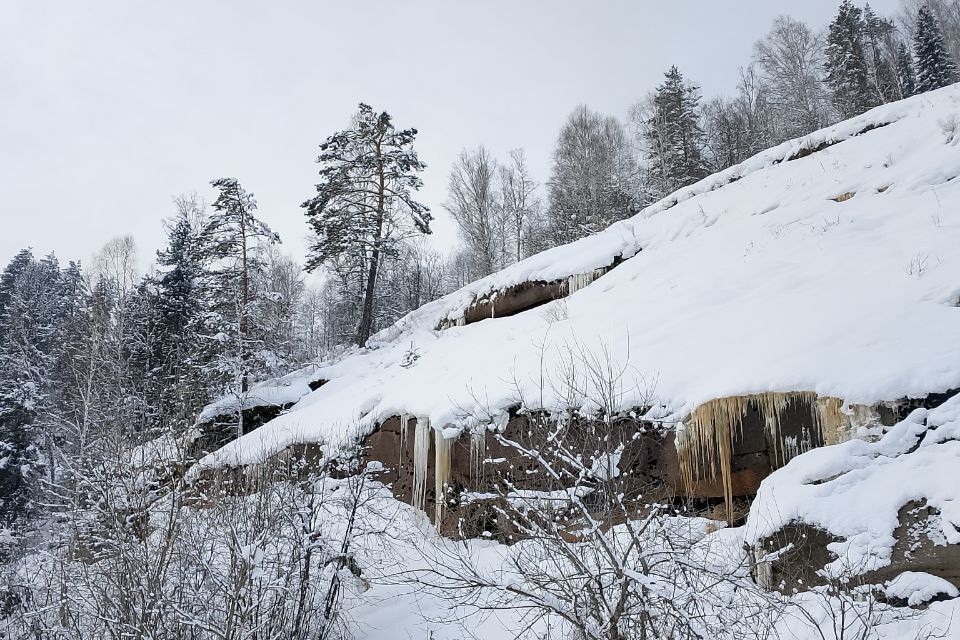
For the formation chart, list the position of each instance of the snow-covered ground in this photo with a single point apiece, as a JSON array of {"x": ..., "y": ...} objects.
[
  {"x": 837, "y": 272},
  {"x": 409, "y": 582},
  {"x": 855, "y": 491},
  {"x": 275, "y": 392}
]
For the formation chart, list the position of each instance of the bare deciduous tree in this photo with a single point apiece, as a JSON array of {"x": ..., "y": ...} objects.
[
  {"x": 594, "y": 178},
  {"x": 519, "y": 196},
  {"x": 473, "y": 200},
  {"x": 789, "y": 59}
]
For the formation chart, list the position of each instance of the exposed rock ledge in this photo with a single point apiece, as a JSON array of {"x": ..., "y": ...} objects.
[
  {"x": 727, "y": 447},
  {"x": 865, "y": 512}
]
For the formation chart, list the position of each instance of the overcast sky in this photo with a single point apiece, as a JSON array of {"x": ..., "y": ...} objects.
[{"x": 109, "y": 109}]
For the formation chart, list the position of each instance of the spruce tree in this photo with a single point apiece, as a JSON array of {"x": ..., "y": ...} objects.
[
  {"x": 935, "y": 69},
  {"x": 9, "y": 279},
  {"x": 674, "y": 138},
  {"x": 879, "y": 39},
  {"x": 233, "y": 240},
  {"x": 846, "y": 64},
  {"x": 364, "y": 203},
  {"x": 906, "y": 77},
  {"x": 180, "y": 301},
  {"x": 29, "y": 321}
]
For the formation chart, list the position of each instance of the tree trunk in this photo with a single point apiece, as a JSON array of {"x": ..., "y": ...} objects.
[
  {"x": 244, "y": 302},
  {"x": 366, "y": 318}
]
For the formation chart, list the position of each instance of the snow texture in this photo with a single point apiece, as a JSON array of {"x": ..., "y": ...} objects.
[
  {"x": 854, "y": 490},
  {"x": 917, "y": 587},
  {"x": 275, "y": 392},
  {"x": 829, "y": 264}
]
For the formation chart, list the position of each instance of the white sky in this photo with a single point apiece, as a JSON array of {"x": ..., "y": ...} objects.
[{"x": 109, "y": 109}]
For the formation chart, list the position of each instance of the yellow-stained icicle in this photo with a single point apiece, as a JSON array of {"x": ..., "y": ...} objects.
[
  {"x": 705, "y": 445},
  {"x": 441, "y": 469}
]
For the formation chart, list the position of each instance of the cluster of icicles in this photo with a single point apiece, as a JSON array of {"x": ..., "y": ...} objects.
[
  {"x": 581, "y": 280},
  {"x": 422, "y": 435},
  {"x": 705, "y": 445}
]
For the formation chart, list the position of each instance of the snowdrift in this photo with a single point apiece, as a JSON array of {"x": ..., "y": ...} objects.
[
  {"x": 829, "y": 264},
  {"x": 879, "y": 511}
]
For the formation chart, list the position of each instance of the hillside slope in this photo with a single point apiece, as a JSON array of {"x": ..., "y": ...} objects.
[{"x": 828, "y": 264}]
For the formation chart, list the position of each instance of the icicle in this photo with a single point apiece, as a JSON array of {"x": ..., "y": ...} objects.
[
  {"x": 441, "y": 468},
  {"x": 478, "y": 451},
  {"x": 404, "y": 424},
  {"x": 838, "y": 422},
  {"x": 705, "y": 446},
  {"x": 421, "y": 449},
  {"x": 580, "y": 280}
]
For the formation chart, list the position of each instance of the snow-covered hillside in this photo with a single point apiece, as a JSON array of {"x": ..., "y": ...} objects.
[{"x": 829, "y": 264}]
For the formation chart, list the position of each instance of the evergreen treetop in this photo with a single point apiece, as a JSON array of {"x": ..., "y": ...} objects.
[
  {"x": 935, "y": 69},
  {"x": 674, "y": 137},
  {"x": 846, "y": 63}
]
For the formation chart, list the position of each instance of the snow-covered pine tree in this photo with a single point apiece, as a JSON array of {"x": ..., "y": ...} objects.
[
  {"x": 673, "y": 136},
  {"x": 278, "y": 288},
  {"x": 233, "y": 241},
  {"x": 364, "y": 203},
  {"x": 906, "y": 78},
  {"x": 31, "y": 292},
  {"x": 180, "y": 312},
  {"x": 65, "y": 396},
  {"x": 935, "y": 69},
  {"x": 846, "y": 63},
  {"x": 879, "y": 37},
  {"x": 8, "y": 280}
]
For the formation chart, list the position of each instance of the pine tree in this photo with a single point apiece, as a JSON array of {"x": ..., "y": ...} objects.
[
  {"x": 846, "y": 64},
  {"x": 935, "y": 69},
  {"x": 673, "y": 136},
  {"x": 9, "y": 278},
  {"x": 905, "y": 74},
  {"x": 364, "y": 203}
]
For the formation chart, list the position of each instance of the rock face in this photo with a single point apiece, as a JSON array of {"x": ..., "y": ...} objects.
[
  {"x": 478, "y": 469},
  {"x": 524, "y": 296},
  {"x": 217, "y": 423},
  {"x": 729, "y": 445},
  {"x": 748, "y": 437},
  {"x": 722, "y": 453},
  {"x": 864, "y": 512}
]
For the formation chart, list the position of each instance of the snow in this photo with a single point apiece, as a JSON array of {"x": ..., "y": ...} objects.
[
  {"x": 275, "y": 392},
  {"x": 752, "y": 280},
  {"x": 917, "y": 587},
  {"x": 854, "y": 490}
]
